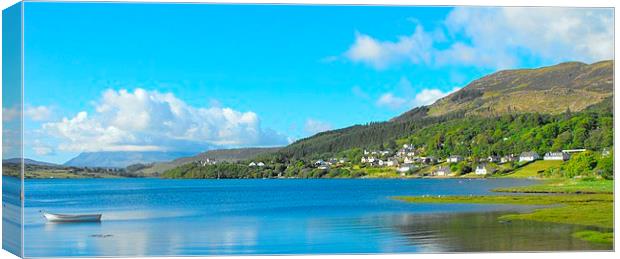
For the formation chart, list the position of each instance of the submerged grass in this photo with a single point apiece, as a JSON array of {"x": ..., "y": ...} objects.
[{"x": 586, "y": 203}]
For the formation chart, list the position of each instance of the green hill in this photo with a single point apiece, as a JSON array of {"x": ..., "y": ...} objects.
[{"x": 549, "y": 90}]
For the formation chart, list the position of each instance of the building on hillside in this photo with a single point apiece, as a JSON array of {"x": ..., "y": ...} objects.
[
  {"x": 508, "y": 158},
  {"x": 442, "y": 171},
  {"x": 429, "y": 160},
  {"x": 252, "y": 164},
  {"x": 408, "y": 160},
  {"x": 528, "y": 156},
  {"x": 556, "y": 156},
  {"x": 493, "y": 159},
  {"x": 391, "y": 162},
  {"x": 260, "y": 164},
  {"x": 404, "y": 168},
  {"x": 319, "y": 162},
  {"x": 455, "y": 159},
  {"x": 483, "y": 169}
]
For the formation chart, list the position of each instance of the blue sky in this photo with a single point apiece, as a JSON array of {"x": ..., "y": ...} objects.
[{"x": 179, "y": 77}]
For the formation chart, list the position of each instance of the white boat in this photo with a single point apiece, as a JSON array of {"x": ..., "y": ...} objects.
[{"x": 51, "y": 217}]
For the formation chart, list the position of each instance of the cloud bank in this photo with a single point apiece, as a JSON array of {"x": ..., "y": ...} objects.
[
  {"x": 145, "y": 120},
  {"x": 496, "y": 38}
]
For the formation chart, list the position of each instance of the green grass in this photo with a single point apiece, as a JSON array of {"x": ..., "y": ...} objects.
[
  {"x": 571, "y": 207},
  {"x": 531, "y": 170},
  {"x": 381, "y": 172},
  {"x": 65, "y": 174},
  {"x": 595, "y": 236},
  {"x": 565, "y": 186}
]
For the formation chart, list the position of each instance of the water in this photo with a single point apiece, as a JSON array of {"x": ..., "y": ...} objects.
[{"x": 157, "y": 217}]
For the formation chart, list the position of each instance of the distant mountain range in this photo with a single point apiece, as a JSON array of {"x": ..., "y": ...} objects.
[
  {"x": 121, "y": 159},
  {"x": 230, "y": 155},
  {"x": 28, "y": 161}
]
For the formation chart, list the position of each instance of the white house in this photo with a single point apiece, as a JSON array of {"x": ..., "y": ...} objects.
[
  {"x": 404, "y": 169},
  {"x": 455, "y": 159},
  {"x": 556, "y": 156},
  {"x": 409, "y": 160},
  {"x": 252, "y": 164},
  {"x": 482, "y": 169},
  {"x": 382, "y": 163},
  {"x": 319, "y": 162},
  {"x": 260, "y": 164},
  {"x": 528, "y": 156},
  {"x": 391, "y": 162},
  {"x": 508, "y": 158},
  {"x": 442, "y": 171}
]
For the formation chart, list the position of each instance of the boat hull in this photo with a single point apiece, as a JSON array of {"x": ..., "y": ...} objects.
[{"x": 72, "y": 218}]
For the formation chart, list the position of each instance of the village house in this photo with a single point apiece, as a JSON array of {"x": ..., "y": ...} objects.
[
  {"x": 483, "y": 169},
  {"x": 429, "y": 160},
  {"x": 493, "y": 159},
  {"x": 528, "y": 156},
  {"x": 404, "y": 169},
  {"x": 391, "y": 162},
  {"x": 408, "y": 160},
  {"x": 508, "y": 158},
  {"x": 319, "y": 162},
  {"x": 556, "y": 156},
  {"x": 455, "y": 159},
  {"x": 260, "y": 164},
  {"x": 442, "y": 171}
]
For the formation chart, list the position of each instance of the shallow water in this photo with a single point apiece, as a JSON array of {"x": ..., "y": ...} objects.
[{"x": 150, "y": 217}]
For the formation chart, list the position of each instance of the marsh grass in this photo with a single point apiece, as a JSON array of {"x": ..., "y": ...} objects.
[{"x": 568, "y": 205}]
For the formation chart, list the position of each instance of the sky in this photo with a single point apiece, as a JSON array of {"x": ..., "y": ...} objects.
[{"x": 189, "y": 77}]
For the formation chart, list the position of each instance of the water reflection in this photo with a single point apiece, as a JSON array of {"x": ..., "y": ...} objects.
[{"x": 468, "y": 232}]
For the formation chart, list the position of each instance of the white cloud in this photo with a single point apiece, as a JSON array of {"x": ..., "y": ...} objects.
[
  {"x": 391, "y": 101},
  {"x": 35, "y": 113},
  {"x": 38, "y": 113},
  {"x": 407, "y": 97},
  {"x": 149, "y": 120},
  {"x": 313, "y": 126},
  {"x": 42, "y": 149},
  {"x": 429, "y": 96},
  {"x": 380, "y": 54},
  {"x": 497, "y": 38}
]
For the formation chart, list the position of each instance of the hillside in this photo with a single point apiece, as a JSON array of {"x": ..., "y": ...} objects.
[
  {"x": 549, "y": 90},
  {"x": 27, "y": 161}
]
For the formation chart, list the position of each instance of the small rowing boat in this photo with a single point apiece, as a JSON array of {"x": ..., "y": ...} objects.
[{"x": 51, "y": 217}]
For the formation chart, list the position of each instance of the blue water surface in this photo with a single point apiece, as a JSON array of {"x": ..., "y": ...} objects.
[{"x": 157, "y": 217}]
